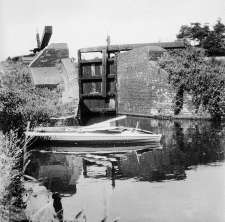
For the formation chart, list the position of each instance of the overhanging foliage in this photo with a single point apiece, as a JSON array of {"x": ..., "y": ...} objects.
[{"x": 204, "y": 79}]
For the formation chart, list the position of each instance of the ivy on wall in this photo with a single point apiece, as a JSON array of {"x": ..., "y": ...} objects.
[{"x": 204, "y": 79}]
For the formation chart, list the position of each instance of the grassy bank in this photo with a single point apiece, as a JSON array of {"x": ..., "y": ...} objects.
[{"x": 11, "y": 188}]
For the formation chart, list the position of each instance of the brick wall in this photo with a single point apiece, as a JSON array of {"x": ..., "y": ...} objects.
[
  {"x": 142, "y": 85},
  {"x": 143, "y": 89}
]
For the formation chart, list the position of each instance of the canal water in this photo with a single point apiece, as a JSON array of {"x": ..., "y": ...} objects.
[{"x": 181, "y": 180}]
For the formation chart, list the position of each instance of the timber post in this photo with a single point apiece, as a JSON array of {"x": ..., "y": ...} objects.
[
  {"x": 79, "y": 72},
  {"x": 104, "y": 73}
]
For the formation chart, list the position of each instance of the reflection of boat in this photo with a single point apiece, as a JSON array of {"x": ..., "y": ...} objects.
[{"x": 98, "y": 135}]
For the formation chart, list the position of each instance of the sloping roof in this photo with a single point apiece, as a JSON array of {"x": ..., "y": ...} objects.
[
  {"x": 50, "y": 55},
  {"x": 44, "y": 68},
  {"x": 45, "y": 75}
]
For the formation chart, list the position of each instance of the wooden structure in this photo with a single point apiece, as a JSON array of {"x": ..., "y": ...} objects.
[
  {"x": 44, "y": 67},
  {"x": 98, "y": 76},
  {"x": 97, "y": 82},
  {"x": 46, "y": 36},
  {"x": 41, "y": 44}
]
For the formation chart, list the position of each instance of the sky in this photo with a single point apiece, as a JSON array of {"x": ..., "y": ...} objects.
[{"x": 86, "y": 23}]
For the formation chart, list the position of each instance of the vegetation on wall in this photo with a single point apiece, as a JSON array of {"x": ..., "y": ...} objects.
[{"x": 204, "y": 79}]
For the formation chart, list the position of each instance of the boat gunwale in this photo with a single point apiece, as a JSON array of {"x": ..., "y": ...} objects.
[{"x": 106, "y": 130}]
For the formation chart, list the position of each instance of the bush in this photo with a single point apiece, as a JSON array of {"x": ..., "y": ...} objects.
[
  {"x": 190, "y": 71},
  {"x": 21, "y": 102},
  {"x": 18, "y": 107}
]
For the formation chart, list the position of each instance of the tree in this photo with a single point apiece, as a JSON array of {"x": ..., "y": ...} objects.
[
  {"x": 212, "y": 40},
  {"x": 195, "y": 32},
  {"x": 219, "y": 28}
]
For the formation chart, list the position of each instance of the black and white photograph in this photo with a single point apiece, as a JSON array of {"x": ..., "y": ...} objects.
[{"x": 112, "y": 111}]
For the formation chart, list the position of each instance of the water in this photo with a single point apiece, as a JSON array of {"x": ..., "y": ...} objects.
[{"x": 182, "y": 181}]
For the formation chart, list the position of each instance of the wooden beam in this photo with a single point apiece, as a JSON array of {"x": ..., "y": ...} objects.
[
  {"x": 97, "y": 96},
  {"x": 96, "y": 78},
  {"x": 111, "y": 76},
  {"x": 91, "y": 61},
  {"x": 46, "y": 36},
  {"x": 38, "y": 40},
  {"x": 79, "y": 72},
  {"x": 116, "y": 83},
  {"x": 91, "y": 79},
  {"x": 95, "y": 60},
  {"x": 104, "y": 72},
  {"x": 126, "y": 47},
  {"x": 92, "y": 96}
]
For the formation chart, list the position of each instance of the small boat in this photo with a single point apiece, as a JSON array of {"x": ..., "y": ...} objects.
[{"x": 96, "y": 135}]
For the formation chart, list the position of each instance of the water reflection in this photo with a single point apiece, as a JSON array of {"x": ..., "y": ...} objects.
[
  {"x": 59, "y": 173},
  {"x": 154, "y": 165},
  {"x": 185, "y": 145},
  {"x": 200, "y": 141}
]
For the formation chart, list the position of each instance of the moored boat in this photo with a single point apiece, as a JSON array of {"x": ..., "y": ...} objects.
[{"x": 96, "y": 135}]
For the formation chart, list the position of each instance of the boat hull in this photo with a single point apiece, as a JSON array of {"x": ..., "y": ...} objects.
[
  {"x": 92, "y": 142},
  {"x": 100, "y": 149},
  {"x": 88, "y": 139}
]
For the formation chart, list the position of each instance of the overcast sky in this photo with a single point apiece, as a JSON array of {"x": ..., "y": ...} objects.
[{"x": 85, "y": 23}]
